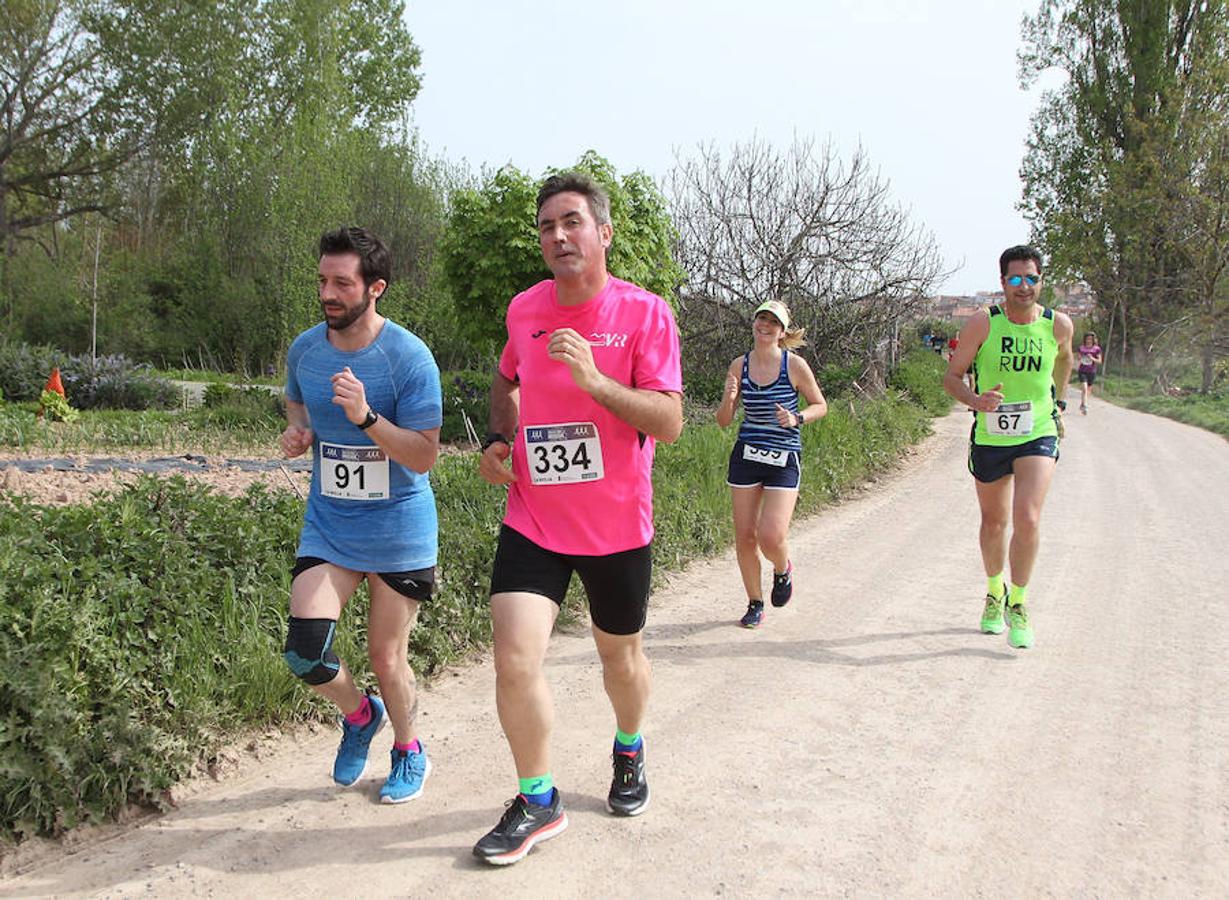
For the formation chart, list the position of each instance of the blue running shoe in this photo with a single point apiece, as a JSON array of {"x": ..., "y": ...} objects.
[
  {"x": 409, "y": 774},
  {"x": 783, "y": 585},
  {"x": 352, "y": 754}
]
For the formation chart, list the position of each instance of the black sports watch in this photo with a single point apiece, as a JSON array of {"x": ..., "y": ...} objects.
[
  {"x": 1061, "y": 404},
  {"x": 494, "y": 437},
  {"x": 371, "y": 419}
]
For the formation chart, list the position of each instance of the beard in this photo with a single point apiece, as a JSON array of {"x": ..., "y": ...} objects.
[{"x": 348, "y": 316}]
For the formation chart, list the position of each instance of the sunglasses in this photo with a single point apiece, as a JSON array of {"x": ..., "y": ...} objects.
[{"x": 1017, "y": 280}]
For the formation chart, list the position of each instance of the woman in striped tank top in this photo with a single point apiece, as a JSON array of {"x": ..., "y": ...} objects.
[{"x": 765, "y": 470}]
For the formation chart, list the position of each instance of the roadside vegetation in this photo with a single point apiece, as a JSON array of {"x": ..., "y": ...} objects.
[
  {"x": 1181, "y": 399},
  {"x": 144, "y": 630}
]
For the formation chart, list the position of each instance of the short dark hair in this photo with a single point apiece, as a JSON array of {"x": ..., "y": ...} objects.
[
  {"x": 374, "y": 260},
  {"x": 579, "y": 183},
  {"x": 1019, "y": 253}
]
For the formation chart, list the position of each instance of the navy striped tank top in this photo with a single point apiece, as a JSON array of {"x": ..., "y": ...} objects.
[{"x": 759, "y": 427}]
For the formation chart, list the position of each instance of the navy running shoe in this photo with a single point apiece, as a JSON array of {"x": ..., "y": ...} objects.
[
  {"x": 754, "y": 615},
  {"x": 783, "y": 585}
]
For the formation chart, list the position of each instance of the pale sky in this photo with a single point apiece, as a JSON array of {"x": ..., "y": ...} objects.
[{"x": 929, "y": 90}]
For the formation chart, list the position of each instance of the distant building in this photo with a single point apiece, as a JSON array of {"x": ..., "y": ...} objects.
[{"x": 1076, "y": 300}]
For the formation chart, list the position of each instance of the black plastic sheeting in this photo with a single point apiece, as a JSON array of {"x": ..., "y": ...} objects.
[{"x": 158, "y": 464}]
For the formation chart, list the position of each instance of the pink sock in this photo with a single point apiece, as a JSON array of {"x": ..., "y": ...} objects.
[
  {"x": 412, "y": 747},
  {"x": 362, "y": 715}
]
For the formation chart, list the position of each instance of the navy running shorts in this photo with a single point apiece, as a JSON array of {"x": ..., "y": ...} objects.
[
  {"x": 745, "y": 472},
  {"x": 617, "y": 585},
  {"x": 991, "y": 463}
]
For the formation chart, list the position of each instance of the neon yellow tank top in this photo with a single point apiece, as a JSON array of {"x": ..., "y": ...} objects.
[{"x": 1021, "y": 358}]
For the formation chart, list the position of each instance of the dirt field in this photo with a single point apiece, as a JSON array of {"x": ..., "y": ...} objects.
[{"x": 867, "y": 740}]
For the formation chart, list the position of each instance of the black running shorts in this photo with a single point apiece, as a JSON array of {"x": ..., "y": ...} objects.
[
  {"x": 991, "y": 463},
  {"x": 617, "y": 585},
  {"x": 416, "y": 584}
]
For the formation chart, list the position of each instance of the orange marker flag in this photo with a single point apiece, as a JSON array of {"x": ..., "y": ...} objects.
[{"x": 54, "y": 383}]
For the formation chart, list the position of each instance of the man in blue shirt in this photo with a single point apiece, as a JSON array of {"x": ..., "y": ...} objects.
[{"x": 363, "y": 394}]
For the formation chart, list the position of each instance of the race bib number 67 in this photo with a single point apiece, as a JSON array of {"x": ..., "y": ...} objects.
[
  {"x": 568, "y": 453},
  {"x": 1015, "y": 419},
  {"x": 353, "y": 472}
]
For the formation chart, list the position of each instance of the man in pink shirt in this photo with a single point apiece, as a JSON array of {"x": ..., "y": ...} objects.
[{"x": 588, "y": 381}]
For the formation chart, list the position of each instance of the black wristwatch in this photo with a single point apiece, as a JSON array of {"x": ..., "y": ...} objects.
[
  {"x": 371, "y": 419},
  {"x": 1061, "y": 404},
  {"x": 494, "y": 437}
]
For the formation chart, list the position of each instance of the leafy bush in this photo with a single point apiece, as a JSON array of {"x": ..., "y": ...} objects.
[
  {"x": 109, "y": 382},
  {"x": 920, "y": 375},
  {"x": 225, "y": 406},
  {"x": 56, "y": 408}
]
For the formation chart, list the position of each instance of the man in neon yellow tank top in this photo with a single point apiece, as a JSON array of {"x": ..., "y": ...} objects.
[{"x": 1021, "y": 357}]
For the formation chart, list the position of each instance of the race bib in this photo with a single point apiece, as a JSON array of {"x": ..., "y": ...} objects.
[
  {"x": 353, "y": 473},
  {"x": 779, "y": 458},
  {"x": 564, "y": 454},
  {"x": 1011, "y": 419}
]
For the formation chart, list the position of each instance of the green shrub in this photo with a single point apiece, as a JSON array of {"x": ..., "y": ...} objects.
[
  {"x": 228, "y": 407},
  {"x": 108, "y": 382},
  {"x": 56, "y": 408},
  {"x": 920, "y": 374}
]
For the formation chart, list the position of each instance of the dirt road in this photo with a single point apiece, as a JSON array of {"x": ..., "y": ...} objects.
[{"x": 867, "y": 740}]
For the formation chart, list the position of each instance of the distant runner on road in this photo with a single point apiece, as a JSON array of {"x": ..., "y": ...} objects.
[
  {"x": 1090, "y": 358},
  {"x": 363, "y": 394},
  {"x": 765, "y": 466},
  {"x": 588, "y": 380},
  {"x": 1021, "y": 357}
]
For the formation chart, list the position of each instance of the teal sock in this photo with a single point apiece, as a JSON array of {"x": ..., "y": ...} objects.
[
  {"x": 628, "y": 743},
  {"x": 1016, "y": 597},
  {"x": 539, "y": 789},
  {"x": 994, "y": 585}
]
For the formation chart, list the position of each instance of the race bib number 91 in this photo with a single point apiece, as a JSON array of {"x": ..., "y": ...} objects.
[
  {"x": 568, "y": 453},
  {"x": 1011, "y": 419},
  {"x": 353, "y": 472}
]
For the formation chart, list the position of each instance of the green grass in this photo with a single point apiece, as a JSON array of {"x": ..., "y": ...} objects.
[
  {"x": 144, "y": 631},
  {"x": 1208, "y": 411},
  {"x": 202, "y": 429},
  {"x": 207, "y": 376}
]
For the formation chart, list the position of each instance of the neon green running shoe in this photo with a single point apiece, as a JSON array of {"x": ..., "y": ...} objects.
[
  {"x": 992, "y": 615},
  {"x": 1021, "y": 633}
]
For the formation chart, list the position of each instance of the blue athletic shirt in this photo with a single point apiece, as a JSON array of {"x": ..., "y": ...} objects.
[
  {"x": 760, "y": 427},
  {"x": 402, "y": 382}
]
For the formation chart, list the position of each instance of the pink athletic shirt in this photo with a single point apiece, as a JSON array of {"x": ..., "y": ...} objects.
[{"x": 583, "y": 476}]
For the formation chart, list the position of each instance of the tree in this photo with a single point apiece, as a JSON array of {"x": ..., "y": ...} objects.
[
  {"x": 490, "y": 250},
  {"x": 1117, "y": 149},
  {"x": 802, "y": 227}
]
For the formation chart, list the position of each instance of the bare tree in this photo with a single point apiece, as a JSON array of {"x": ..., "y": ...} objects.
[{"x": 803, "y": 227}]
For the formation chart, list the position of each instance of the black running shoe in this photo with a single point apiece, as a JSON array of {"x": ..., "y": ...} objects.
[
  {"x": 783, "y": 585},
  {"x": 629, "y": 789},
  {"x": 523, "y": 825}
]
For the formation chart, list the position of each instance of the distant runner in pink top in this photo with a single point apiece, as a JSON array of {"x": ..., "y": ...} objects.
[{"x": 588, "y": 381}]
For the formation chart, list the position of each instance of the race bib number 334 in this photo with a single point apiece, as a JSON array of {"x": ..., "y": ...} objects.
[
  {"x": 353, "y": 472},
  {"x": 568, "y": 453}
]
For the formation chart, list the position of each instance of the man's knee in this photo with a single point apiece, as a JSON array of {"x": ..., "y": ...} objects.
[
  {"x": 388, "y": 664},
  {"x": 515, "y": 665},
  {"x": 309, "y": 652},
  {"x": 1027, "y": 520}
]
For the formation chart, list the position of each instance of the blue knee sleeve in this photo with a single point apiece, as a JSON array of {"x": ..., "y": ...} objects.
[{"x": 309, "y": 650}]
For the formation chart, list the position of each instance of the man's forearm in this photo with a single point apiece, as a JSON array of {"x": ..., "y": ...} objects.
[
  {"x": 656, "y": 413},
  {"x": 505, "y": 414}
]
